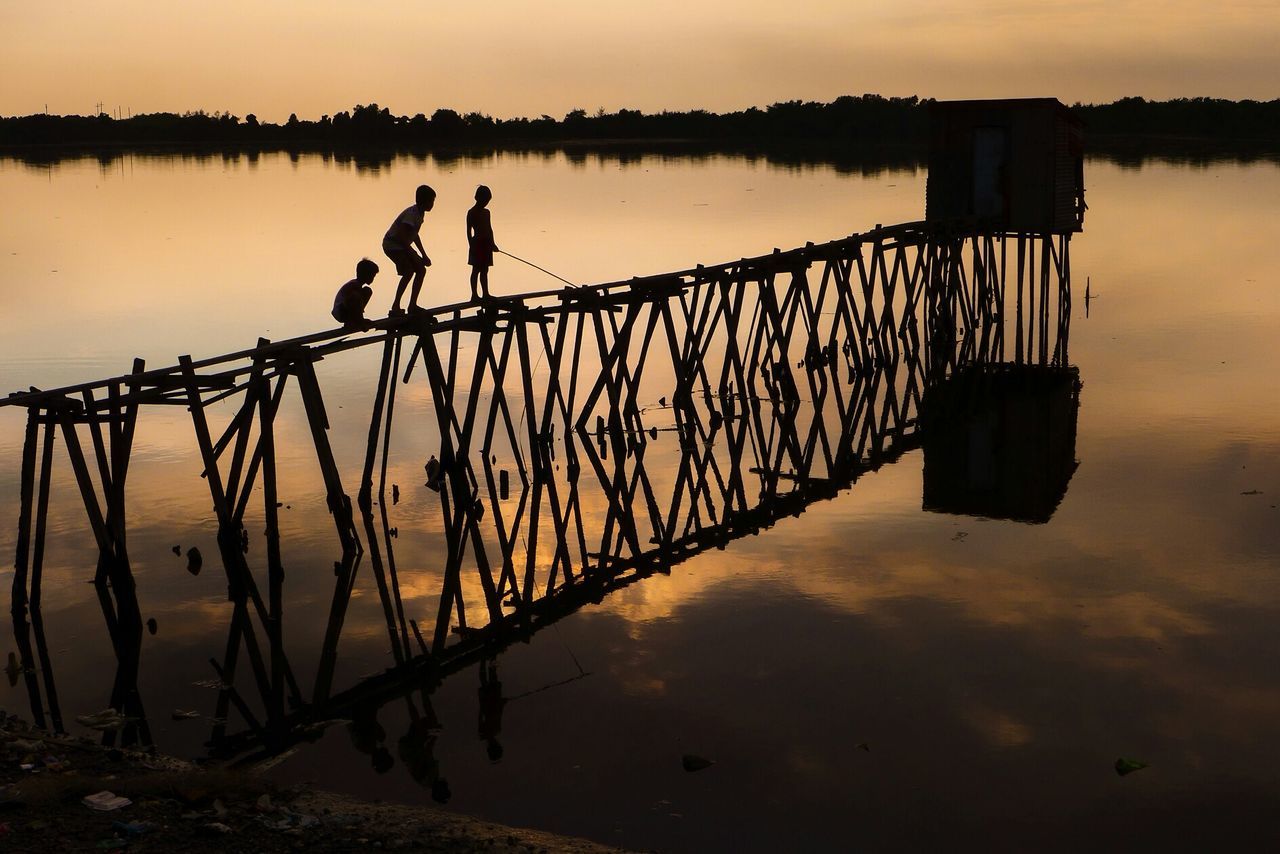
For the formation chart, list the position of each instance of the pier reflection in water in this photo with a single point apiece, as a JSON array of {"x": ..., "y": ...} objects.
[{"x": 604, "y": 435}]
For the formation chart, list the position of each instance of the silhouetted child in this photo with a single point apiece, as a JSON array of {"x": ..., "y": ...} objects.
[
  {"x": 480, "y": 242},
  {"x": 350, "y": 302},
  {"x": 367, "y": 736},
  {"x": 491, "y": 703},
  {"x": 417, "y": 751},
  {"x": 399, "y": 243}
]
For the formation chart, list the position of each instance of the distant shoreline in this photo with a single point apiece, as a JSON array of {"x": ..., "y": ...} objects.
[{"x": 851, "y": 129}]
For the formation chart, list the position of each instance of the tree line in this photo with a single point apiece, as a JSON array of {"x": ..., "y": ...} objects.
[{"x": 866, "y": 120}]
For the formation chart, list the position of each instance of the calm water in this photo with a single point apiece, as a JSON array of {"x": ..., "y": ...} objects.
[{"x": 994, "y": 671}]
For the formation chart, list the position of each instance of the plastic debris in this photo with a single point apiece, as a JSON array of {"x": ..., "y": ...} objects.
[
  {"x": 693, "y": 763},
  {"x": 130, "y": 829},
  {"x": 105, "y": 801},
  {"x": 1128, "y": 766},
  {"x": 180, "y": 715},
  {"x": 107, "y": 719}
]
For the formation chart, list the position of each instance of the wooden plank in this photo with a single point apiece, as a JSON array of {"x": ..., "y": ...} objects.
[
  {"x": 275, "y": 566},
  {"x": 26, "y": 489},
  {"x": 339, "y": 503},
  {"x": 42, "y": 518},
  {"x": 99, "y": 447},
  {"x": 375, "y": 426},
  {"x": 256, "y": 459},
  {"x": 251, "y": 401},
  {"x": 205, "y": 445},
  {"x": 386, "y": 432},
  {"x": 81, "y": 469}
]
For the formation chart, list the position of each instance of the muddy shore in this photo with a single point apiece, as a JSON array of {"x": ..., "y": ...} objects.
[{"x": 178, "y": 806}]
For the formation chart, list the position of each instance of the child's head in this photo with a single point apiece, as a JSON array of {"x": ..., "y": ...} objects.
[
  {"x": 425, "y": 197},
  {"x": 365, "y": 271},
  {"x": 483, "y": 194}
]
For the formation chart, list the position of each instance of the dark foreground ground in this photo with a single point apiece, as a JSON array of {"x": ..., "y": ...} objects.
[{"x": 181, "y": 807}]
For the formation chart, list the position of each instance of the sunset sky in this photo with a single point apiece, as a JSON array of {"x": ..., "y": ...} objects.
[{"x": 511, "y": 58}]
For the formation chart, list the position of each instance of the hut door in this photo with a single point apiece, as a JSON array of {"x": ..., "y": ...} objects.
[{"x": 988, "y": 172}]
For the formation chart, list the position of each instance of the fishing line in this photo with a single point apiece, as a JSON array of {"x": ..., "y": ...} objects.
[
  {"x": 536, "y": 267},
  {"x": 567, "y": 649},
  {"x": 540, "y": 355}
]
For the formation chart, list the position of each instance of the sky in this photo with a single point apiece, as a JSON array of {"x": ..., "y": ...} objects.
[{"x": 509, "y": 58}]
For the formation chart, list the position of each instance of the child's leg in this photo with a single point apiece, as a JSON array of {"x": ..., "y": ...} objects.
[
  {"x": 484, "y": 281},
  {"x": 475, "y": 274},
  {"x": 418, "y": 276},
  {"x": 404, "y": 283},
  {"x": 410, "y": 266}
]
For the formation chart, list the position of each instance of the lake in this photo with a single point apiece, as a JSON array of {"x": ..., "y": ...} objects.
[{"x": 866, "y": 674}]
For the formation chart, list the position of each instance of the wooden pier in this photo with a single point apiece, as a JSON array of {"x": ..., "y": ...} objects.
[{"x": 783, "y": 378}]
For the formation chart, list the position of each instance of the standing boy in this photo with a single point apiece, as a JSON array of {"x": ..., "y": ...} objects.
[
  {"x": 348, "y": 305},
  {"x": 480, "y": 245},
  {"x": 399, "y": 243}
]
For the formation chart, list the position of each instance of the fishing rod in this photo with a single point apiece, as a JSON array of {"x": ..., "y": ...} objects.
[{"x": 536, "y": 267}]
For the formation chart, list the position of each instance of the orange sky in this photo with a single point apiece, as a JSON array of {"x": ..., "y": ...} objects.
[{"x": 511, "y": 58}]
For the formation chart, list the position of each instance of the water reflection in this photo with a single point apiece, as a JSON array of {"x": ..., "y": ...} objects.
[
  {"x": 1001, "y": 442},
  {"x": 867, "y": 161},
  {"x": 678, "y": 414}
]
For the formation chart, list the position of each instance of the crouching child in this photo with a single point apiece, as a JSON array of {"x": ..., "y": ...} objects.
[{"x": 350, "y": 302}]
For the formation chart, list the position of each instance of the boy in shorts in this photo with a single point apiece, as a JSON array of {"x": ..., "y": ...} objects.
[
  {"x": 399, "y": 243},
  {"x": 348, "y": 305}
]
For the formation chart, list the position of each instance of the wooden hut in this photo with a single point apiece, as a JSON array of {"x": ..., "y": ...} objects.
[{"x": 1012, "y": 166}]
